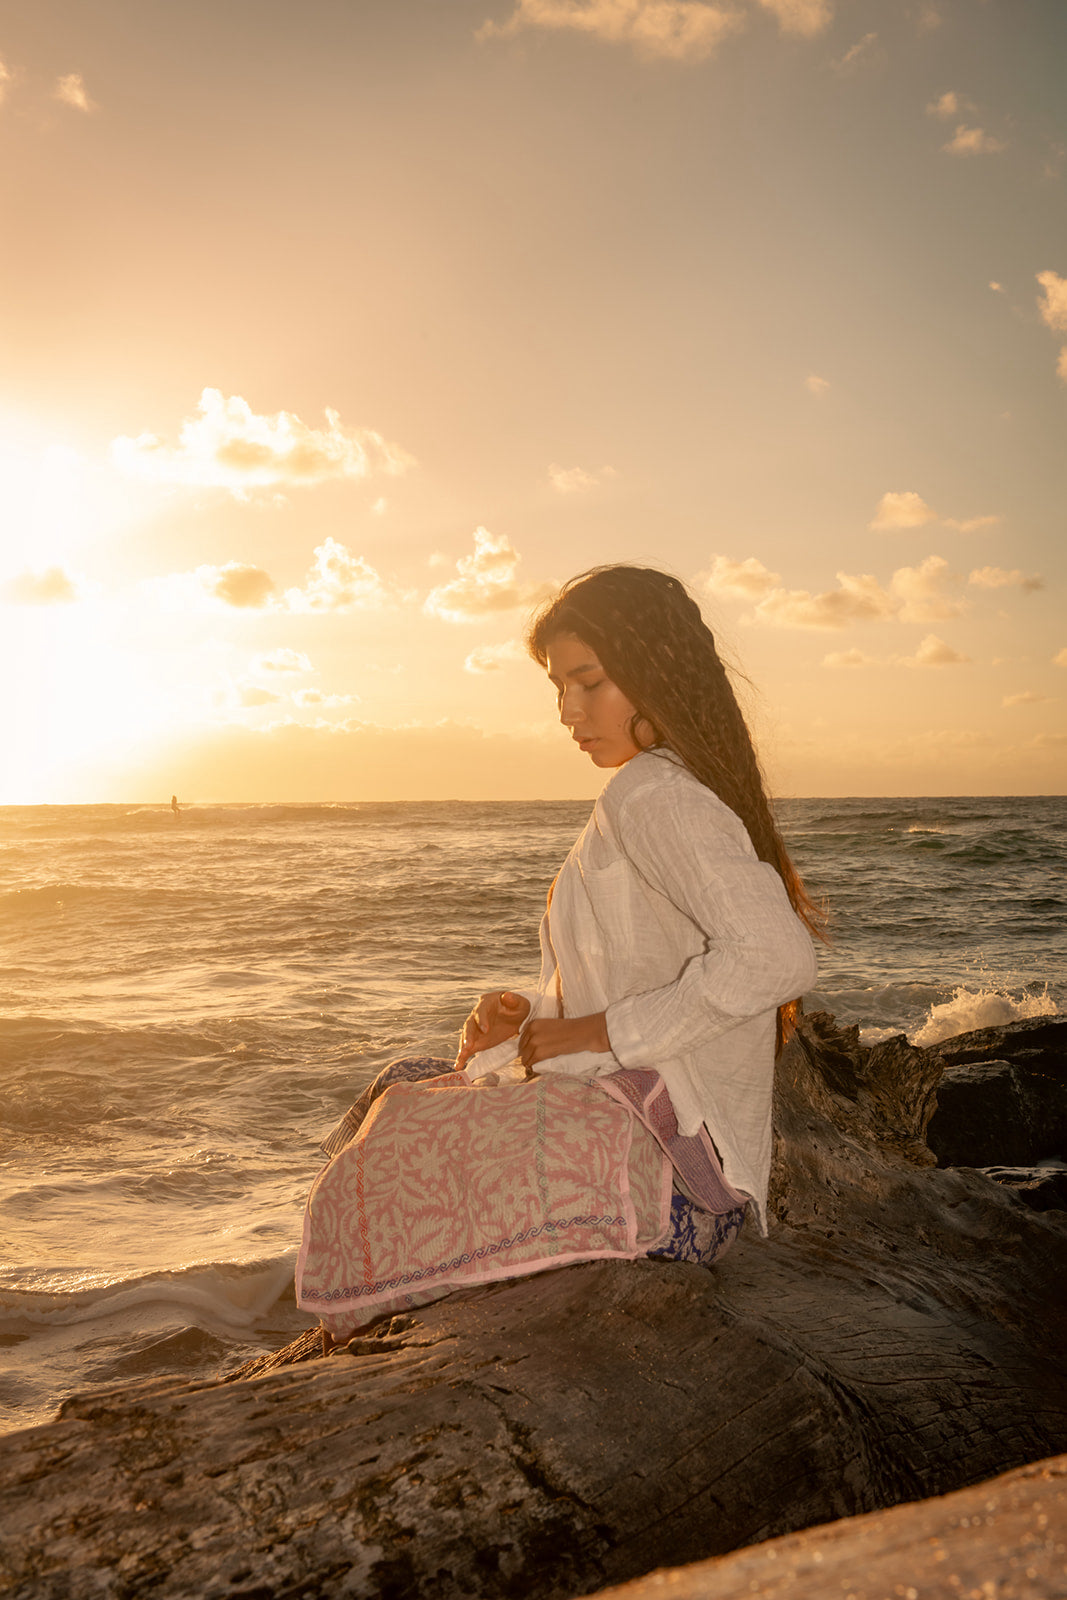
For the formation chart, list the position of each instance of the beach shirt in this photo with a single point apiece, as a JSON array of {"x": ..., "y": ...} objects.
[{"x": 664, "y": 918}]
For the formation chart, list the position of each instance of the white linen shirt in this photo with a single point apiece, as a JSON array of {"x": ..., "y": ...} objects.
[{"x": 664, "y": 918}]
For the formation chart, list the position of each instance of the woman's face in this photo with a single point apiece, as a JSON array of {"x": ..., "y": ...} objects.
[{"x": 590, "y": 705}]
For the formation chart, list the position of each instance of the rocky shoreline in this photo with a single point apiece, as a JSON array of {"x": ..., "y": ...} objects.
[{"x": 898, "y": 1337}]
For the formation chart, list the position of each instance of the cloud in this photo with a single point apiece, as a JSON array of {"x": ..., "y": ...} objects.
[
  {"x": 237, "y": 584},
  {"x": 858, "y": 598},
  {"x": 748, "y": 578},
  {"x": 282, "y": 660},
  {"x": 998, "y": 578},
  {"x": 972, "y": 142},
  {"x": 816, "y": 385},
  {"x": 919, "y": 592},
  {"x": 70, "y": 90},
  {"x": 858, "y": 53},
  {"x": 997, "y": 288},
  {"x": 1026, "y": 698},
  {"x": 315, "y": 697},
  {"x": 913, "y": 594},
  {"x": 6, "y": 77},
  {"x": 1061, "y": 364},
  {"x": 1060, "y": 658},
  {"x": 229, "y": 446},
  {"x": 946, "y": 107},
  {"x": 676, "y": 30},
  {"x": 576, "y": 480},
  {"x": 487, "y": 582},
  {"x": 339, "y": 581},
  {"x": 901, "y": 509},
  {"x": 250, "y": 694},
  {"x": 51, "y": 587},
  {"x": 1053, "y": 303},
  {"x": 929, "y": 19},
  {"x": 906, "y": 509},
  {"x": 848, "y": 658},
  {"x": 969, "y": 524},
  {"x": 934, "y": 652},
  {"x": 491, "y": 657},
  {"x": 806, "y": 17}
]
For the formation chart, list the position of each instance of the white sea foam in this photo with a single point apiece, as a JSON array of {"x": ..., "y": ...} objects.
[{"x": 982, "y": 1008}]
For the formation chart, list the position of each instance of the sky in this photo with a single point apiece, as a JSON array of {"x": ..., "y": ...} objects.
[{"x": 333, "y": 336}]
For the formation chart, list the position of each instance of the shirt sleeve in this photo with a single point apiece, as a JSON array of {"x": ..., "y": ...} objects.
[{"x": 691, "y": 848}]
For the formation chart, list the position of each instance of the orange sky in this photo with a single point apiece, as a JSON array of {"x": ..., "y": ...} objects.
[{"x": 333, "y": 335}]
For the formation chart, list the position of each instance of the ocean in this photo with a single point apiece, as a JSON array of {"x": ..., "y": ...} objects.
[{"x": 188, "y": 1003}]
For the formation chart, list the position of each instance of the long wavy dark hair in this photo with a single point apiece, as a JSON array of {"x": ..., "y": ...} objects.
[{"x": 647, "y": 631}]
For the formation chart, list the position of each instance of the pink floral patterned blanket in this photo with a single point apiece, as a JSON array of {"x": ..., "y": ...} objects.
[{"x": 448, "y": 1185}]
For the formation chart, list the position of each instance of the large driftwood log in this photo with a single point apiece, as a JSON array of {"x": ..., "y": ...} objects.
[{"x": 900, "y": 1335}]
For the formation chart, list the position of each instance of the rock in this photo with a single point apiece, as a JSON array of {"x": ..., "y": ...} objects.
[
  {"x": 1043, "y": 1188},
  {"x": 1004, "y": 1540},
  {"x": 1003, "y": 1096},
  {"x": 898, "y": 1336}
]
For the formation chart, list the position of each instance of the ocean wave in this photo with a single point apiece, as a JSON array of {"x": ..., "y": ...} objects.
[
  {"x": 233, "y": 1294},
  {"x": 969, "y": 1009}
]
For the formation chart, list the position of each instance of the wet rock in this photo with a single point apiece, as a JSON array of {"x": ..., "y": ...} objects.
[{"x": 1003, "y": 1096}]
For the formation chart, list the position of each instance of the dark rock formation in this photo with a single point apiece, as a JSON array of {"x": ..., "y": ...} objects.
[
  {"x": 898, "y": 1336},
  {"x": 1005, "y": 1539},
  {"x": 1003, "y": 1096}
]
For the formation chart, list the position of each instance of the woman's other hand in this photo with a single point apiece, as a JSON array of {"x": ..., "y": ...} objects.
[
  {"x": 563, "y": 1036},
  {"x": 498, "y": 1016}
]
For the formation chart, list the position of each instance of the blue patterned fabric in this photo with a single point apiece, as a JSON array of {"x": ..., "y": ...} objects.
[{"x": 694, "y": 1235}]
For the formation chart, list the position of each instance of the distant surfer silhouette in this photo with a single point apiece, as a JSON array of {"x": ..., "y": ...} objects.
[{"x": 174, "y": 806}]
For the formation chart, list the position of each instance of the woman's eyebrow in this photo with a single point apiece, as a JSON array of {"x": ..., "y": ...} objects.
[{"x": 573, "y": 672}]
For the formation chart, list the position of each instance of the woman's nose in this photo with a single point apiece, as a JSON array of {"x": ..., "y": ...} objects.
[{"x": 569, "y": 711}]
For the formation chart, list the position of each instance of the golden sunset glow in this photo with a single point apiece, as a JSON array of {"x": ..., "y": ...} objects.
[{"x": 334, "y": 336}]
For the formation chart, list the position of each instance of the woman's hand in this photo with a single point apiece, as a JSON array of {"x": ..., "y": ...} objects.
[
  {"x": 497, "y": 1016},
  {"x": 563, "y": 1036}
]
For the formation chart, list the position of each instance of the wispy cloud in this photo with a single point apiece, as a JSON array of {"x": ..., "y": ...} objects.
[
  {"x": 237, "y": 584},
  {"x": 947, "y": 106},
  {"x": 816, "y": 385},
  {"x": 576, "y": 480},
  {"x": 1060, "y": 658},
  {"x": 1052, "y": 305},
  {"x": 487, "y": 582},
  {"x": 315, "y": 697},
  {"x": 339, "y": 581},
  {"x": 71, "y": 91},
  {"x": 934, "y": 652},
  {"x": 491, "y": 657},
  {"x": 857, "y": 598},
  {"x": 53, "y": 586},
  {"x": 920, "y": 591},
  {"x": 253, "y": 694},
  {"x": 965, "y": 141},
  {"x": 901, "y": 509},
  {"x": 848, "y": 659},
  {"x": 904, "y": 509},
  {"x": 972, "y": 142},
  {"x": 999, "y": 578},
  {"x": 282, "y": 660},
  {"x": 677, "y": 30},
  {"x": 1026, "y": 697},
  {"x": 229, "y": 446},
  {"x": 6, "y": 79},
  {"x": 806, "y": 17},
  {"x": 913, "y": 594},
  {"x": 748, "y": 578},
  {"x": 861, "y": 51}
]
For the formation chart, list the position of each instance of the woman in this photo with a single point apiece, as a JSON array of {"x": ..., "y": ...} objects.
[{"x": 624, "y": 1105}]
